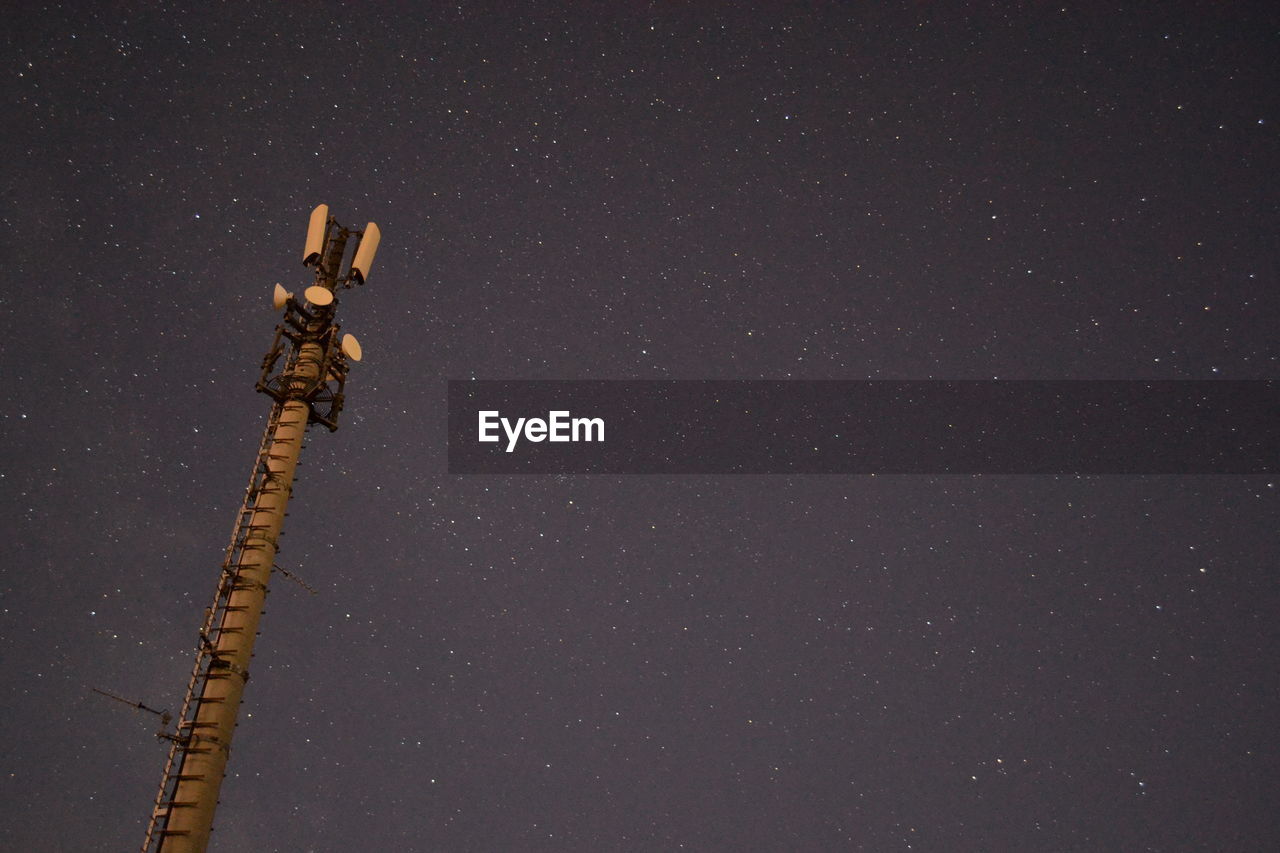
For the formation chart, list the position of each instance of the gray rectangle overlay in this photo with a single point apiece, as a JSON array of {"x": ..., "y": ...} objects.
[{"x": 871, "y": 427}]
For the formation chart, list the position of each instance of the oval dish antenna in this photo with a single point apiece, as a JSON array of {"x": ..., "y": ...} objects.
[
  {"x": 319, "y": 296},
  {"x": 280, "y": 296}
]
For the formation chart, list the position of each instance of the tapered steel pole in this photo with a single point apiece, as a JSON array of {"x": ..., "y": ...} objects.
[
  {"x": 304, "y": 373},
  {"x": 205, "y": 761}
]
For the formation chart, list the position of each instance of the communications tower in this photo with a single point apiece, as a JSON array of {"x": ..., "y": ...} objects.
[{"x": 304, "y": 373}]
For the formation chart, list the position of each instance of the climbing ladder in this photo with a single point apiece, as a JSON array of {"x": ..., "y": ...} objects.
[{"x": 205, "y": 666}]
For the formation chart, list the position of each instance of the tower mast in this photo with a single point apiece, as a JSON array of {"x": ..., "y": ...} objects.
[{"x": 304, "y": 373}]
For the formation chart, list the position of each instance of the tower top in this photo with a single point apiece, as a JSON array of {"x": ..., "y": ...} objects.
[{"x": 326, "y": 245}]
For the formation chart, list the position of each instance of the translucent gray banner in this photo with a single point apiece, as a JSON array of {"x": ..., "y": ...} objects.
[{"x": 864, "y": 427}]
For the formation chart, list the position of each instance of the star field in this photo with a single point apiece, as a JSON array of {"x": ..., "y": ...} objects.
[{"x": 627, "y": 191}]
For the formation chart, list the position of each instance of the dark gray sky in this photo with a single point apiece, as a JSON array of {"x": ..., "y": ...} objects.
[{"x": 638, "y": 191}]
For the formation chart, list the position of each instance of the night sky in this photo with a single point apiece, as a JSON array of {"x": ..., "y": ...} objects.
[{"x": 638, "y": 191}]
